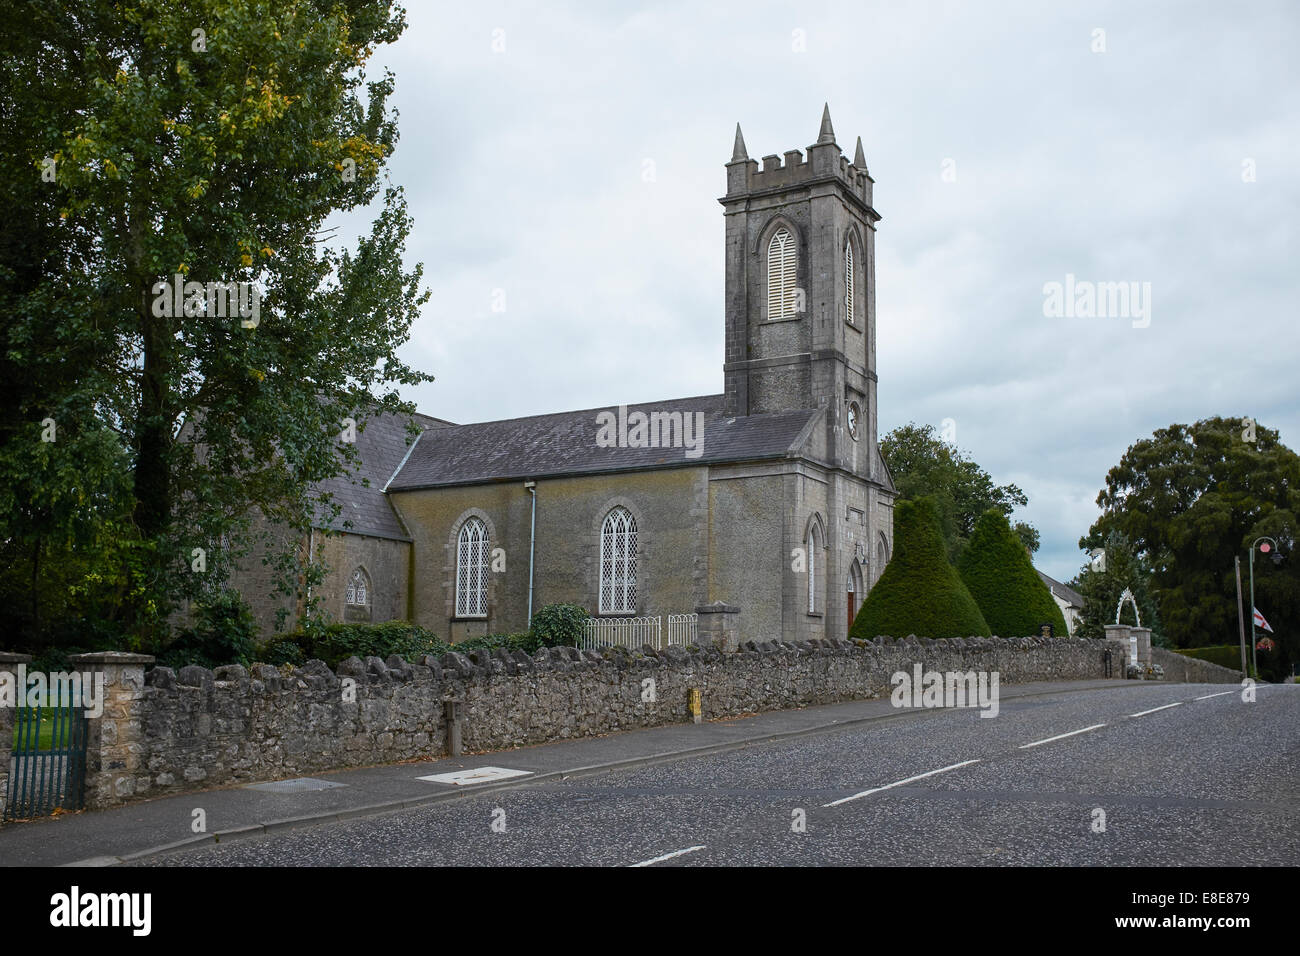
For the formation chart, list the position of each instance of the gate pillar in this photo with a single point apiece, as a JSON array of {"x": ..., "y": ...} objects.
[
  {"x": 1119, "y": 634},
  {"x": 8, "y": 664},
  {"x": 115, "y": 756}
]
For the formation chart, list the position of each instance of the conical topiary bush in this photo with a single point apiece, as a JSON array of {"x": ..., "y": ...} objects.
[
  {"x": 920, "y": 592},
  {"x": 1000, "y": 575}
]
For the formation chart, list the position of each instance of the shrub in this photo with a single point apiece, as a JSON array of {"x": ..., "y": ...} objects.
[
  {"x": 559, "y": 625},
  {"x": 998, "y": 572},
  {"x": 920, "y": 592},
  {"x": 511, "y": 642},
  {"x": 282, "y": 650},
  {"x": 335, "y": 643},
  {"x": 223, "y": 633}
]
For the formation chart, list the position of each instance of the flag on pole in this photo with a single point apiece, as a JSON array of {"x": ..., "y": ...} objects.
[{"x": 1260, "y": 622}]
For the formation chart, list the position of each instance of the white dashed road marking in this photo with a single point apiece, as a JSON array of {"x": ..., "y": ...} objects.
[
  {"x": 898, "y": 783},
  {"x": 1060, "y": 736},
  {"x": 1224, "y": 694},
  {"x": 668, "y": 856},
  {"x": 1143, "y": 713}
]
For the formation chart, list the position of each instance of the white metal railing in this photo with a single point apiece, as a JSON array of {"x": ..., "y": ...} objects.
[
  {"x": 681, "y": 628},
  {"x": 632, "y": 632}
]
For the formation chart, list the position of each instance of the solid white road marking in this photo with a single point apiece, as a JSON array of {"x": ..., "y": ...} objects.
[
  {"x": 668, "y": 856},
  {"x": 898, "y": 783},
  {"x": 1143, "y": 713},
  {"x": 1060, "y": 736},
  {"x": 1224, "y": 694}
]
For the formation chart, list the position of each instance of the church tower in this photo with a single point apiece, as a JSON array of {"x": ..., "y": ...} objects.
[{"x": 801, "y": 291}]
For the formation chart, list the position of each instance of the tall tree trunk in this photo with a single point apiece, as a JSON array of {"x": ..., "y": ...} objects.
[{"x": 152, "y": 485}]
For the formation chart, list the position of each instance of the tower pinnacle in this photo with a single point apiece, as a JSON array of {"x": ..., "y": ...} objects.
[
  {"x": 739, "y": 154},
  {"x": 827, "y": 133}
]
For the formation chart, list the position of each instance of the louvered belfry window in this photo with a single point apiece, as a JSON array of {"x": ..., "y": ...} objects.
[
  {"x": 472, "y": 569},
  {"x": 848, "y": 281},
  {"x": 781, "y": 275},
  {"x": 618, "y": 563}
]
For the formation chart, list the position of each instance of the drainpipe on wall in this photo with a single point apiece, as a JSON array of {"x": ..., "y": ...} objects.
[
  {"x": 532, "y": 543},
  {"x": 311, "y": 559}
]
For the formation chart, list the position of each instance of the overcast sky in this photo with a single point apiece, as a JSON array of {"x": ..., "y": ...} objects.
[{"x": 526, "y": 171}]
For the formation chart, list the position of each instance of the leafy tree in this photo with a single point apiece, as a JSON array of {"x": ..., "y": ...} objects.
[
  {"x": 1190, "y": 499},
  {"x": 998, "y": 572},
  {"x": 223, "y": 633},
  {"x": 921, "y": 463},
  {"x": 920, "y": 592},
  {"x": 1125, "y": 569},
  {"x": 210, "y": 140}
]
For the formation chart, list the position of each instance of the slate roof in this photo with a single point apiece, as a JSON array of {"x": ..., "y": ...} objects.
[
  {"x": 382, "y": 445},
  {"x": 544, "y": 446},
  {"x": 1071, "y": 596}
]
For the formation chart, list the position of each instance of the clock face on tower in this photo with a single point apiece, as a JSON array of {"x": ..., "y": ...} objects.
[{"x": 853, "y": 420}]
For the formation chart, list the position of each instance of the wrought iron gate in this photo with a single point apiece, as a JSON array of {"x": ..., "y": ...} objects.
[{"x": 48, "y": 766}]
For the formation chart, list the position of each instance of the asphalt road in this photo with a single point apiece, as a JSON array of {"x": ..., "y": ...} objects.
[{"x": 1206, "y": 782}]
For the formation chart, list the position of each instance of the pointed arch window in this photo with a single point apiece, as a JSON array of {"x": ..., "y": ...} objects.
[
  {"x": 618, "y": 538},
  {"x": 782, "y": 270},
  {"x": 815, "y": 546},
  {"x": 358, "y": 593},
  {"x": 850, "y": 277},
  {"x": 882, "y": 553},
  {"x": 472, "y": 569}
]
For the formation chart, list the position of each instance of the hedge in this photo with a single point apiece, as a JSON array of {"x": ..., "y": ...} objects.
[
  {"x": 1226, "y": 655},
  {"x": 554, "y": 624},
  {"x": 998, "y": 572},
  {"x": 335, "y": 643},
  {"x": 920, "y": 592}
]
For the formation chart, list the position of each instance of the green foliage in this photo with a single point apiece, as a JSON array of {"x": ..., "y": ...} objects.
[
  {"x": 282, "y": 650},
  {"x": 557, "y": 625},
  {"x": 1101, "y": 591},
  {"x": 334, "y": 643},
  {"x": 922, "y": 464},
  {"x": 223, "y": 633},
  {"x": 1225, "y": 655},
  {"x": 1190, "y": 499},
  {"x": 998, "y": 572},
  {"x": 220, "y": 161},
  {"x": 511, "y": 642},
  {"x": 920, "y": 592}
]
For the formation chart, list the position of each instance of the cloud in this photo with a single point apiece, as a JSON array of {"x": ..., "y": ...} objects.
[{"x": 526, "y": 171}]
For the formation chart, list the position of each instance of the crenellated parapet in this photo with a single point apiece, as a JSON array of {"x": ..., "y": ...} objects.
[{"x": 822, "y": 162}]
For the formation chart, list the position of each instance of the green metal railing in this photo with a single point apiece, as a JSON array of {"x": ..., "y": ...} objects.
[{"x": 48, "y": 766}]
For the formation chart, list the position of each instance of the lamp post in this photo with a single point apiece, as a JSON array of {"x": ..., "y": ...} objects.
[{"x": 1277, "y": 559}]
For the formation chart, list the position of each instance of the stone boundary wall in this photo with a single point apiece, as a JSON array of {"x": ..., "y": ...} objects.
[
  {"x": 1190, "y": 670},
  {"x": 202, "y": 728}
]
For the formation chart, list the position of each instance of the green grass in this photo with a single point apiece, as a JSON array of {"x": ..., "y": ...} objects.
[{"x": 45, "y": 737}]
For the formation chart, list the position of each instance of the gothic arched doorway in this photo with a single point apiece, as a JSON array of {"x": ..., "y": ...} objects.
[{"x": 854, "y": 586}]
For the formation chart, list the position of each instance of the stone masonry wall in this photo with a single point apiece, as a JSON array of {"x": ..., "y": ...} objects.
[
  {"x": 203, "y": 728},
  {"x": 1189, "y": 670}
]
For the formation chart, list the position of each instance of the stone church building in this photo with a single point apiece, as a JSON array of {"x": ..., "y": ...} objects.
[{"x": 771, "y": 497}]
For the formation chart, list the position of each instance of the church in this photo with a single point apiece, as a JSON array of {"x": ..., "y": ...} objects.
[{"x": 771, "y": 497}]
